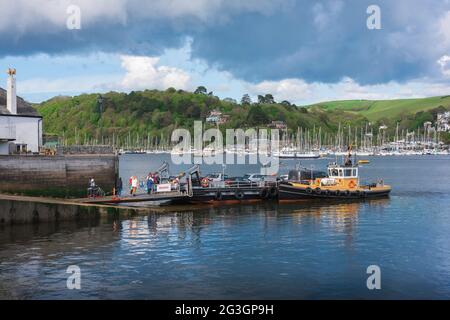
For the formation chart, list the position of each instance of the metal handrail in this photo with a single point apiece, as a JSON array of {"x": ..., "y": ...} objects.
[{"x": 242, "y": 184}]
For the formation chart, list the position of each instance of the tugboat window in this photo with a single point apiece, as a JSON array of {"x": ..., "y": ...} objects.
[
  {"x": 334, "y": 173},
  {"x": 348, "y": 172}
]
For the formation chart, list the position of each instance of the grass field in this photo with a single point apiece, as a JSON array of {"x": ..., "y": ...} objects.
[{"x": 378, "y": 109}]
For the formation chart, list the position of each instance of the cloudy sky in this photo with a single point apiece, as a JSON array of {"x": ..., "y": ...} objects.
[{"x": 301, "y": 50}]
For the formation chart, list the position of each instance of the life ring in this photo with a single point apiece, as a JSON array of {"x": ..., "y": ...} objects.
[
  {"x": 352, "y": 184},
  {"x": 204, "y": 183},
  {"x": 264, "y": 193},
  {"x": 218, "y": 196},
  {"x": 239, "y": 195}
]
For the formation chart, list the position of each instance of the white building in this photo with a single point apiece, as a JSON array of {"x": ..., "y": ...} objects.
[
  {"x": 443, "y": 121},
  {"x": 217, "y": 117},
  {"x": 20, "y": 124}
]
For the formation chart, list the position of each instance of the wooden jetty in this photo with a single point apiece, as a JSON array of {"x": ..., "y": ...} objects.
[{"x": 174, "y": 196}]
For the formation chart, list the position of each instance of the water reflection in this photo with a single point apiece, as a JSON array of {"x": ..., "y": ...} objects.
[
  {"x": 143, "y": 232},
  {"x": 263, "y": 250}
]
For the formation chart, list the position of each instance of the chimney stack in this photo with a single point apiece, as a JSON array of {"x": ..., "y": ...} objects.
[{"x": 11, "y": 97}]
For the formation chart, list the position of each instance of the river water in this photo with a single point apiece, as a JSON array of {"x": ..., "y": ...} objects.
[{"x": 253, "y": 251}]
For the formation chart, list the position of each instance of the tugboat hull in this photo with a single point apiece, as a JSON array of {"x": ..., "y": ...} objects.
[{"x": 288, "y": 191}]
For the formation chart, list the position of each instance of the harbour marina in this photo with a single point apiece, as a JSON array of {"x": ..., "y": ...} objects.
[
  {"x": 199, "y": 151},
  {"x": 266, "y": 249}
]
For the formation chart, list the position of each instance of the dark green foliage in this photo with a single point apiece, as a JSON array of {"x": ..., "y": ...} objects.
[
  {"x": 201, "y": 90},
  {"x": 256, "y": 116},
  {"x": 246, "y": 99}
]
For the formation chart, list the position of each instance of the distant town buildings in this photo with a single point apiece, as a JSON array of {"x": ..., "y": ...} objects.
[
  {"x": 20, "y": 124},
  {"x": 443, "y": 122},
  {"x": 217, "y": 117}
]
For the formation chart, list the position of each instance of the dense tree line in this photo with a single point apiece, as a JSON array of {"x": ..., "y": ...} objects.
[{"x": 157, "y": 113}]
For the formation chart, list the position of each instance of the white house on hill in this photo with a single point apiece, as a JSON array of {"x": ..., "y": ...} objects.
[{"x": 20, "y": 124}]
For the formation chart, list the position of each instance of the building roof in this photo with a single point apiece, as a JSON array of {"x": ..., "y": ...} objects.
[{"x": 24, "y": 108}]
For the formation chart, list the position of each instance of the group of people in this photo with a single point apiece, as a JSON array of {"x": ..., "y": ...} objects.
[
  {"x": 152, "y": 180},
  {"x": 149, "y": 183}
]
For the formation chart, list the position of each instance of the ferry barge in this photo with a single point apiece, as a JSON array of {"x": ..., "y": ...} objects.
[{"x": 192, "y": 188}]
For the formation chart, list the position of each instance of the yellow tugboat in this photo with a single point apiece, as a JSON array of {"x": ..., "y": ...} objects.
[{"x": 339, "y": 182}]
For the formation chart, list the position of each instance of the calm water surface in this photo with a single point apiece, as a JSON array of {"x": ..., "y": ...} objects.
[{"x": 264, "y": 250}]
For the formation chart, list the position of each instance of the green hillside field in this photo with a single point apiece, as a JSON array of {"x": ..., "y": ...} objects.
[{"x": 375, "y": 110}]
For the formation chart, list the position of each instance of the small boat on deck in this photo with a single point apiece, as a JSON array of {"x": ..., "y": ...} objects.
[{"x": 339, "y": 182}]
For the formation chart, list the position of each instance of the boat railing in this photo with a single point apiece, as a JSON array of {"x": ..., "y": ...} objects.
[{"x": 241, "y": 184}]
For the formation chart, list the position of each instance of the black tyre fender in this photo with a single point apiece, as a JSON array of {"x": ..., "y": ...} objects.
[
  {"x": 239, "y": 195},
  {"x": 318, "y": 190},
  {"x": 218, "y": 196},
  {"x": 264, "y": 193},
  {"x": 309, "y": 190},
  {"x": 273, "y": 193}
]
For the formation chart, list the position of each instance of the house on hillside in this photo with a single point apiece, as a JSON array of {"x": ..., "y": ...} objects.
[
  {"x": 443, "y": 122},
  {"x": 281, "y": 125},
  {"x": 20, "y": 124},
  {"x": 217, "y": 117}
]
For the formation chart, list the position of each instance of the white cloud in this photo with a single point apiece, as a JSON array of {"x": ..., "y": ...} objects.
[
  {"x": 138, "y": 73},
  {"x": 444, "y": 28},
  {"x": 324, "y": 15},
  {"x": 301, "y": 92},
  {"x": 287, "y": 89},
  {"x": 144, "y": 73},
  {"x": 175, "y": 68},
  {"x": 444, "y": 62}
]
